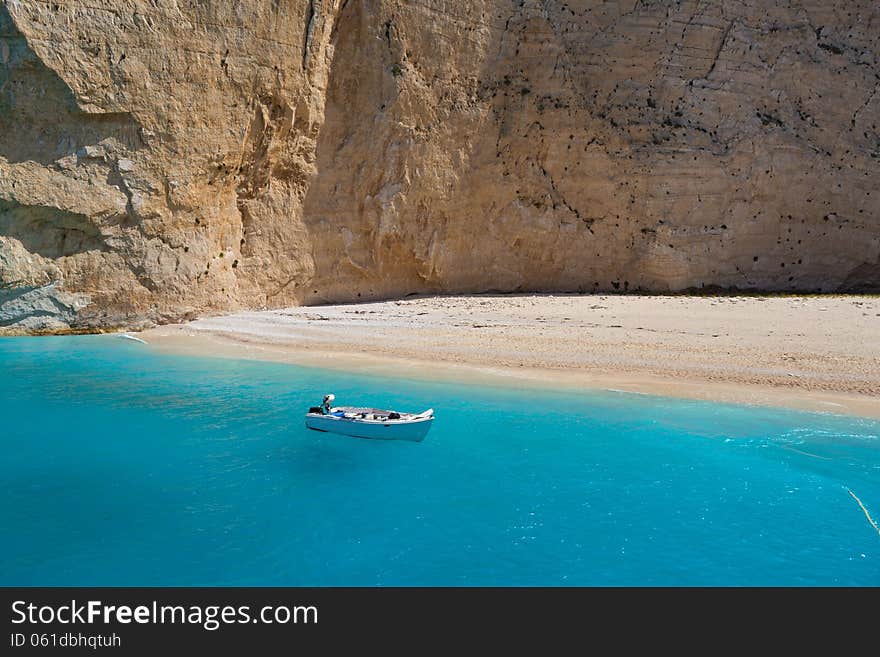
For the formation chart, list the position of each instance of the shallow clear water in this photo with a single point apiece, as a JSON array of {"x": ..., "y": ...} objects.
[{"x": 125, "y": 467}]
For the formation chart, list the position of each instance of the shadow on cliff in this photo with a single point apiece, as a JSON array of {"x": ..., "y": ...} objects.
[
  {"x": 39, "y": 117},
  {"x": 374, "y": 213},
  {"x": 370, "y": 181},
  {"x": 40, "y": 122}
]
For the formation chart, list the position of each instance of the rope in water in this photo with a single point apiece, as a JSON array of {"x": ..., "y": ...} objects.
[
  {"x": 799, "y": 451},
  {"x": 867, "y": 515}
]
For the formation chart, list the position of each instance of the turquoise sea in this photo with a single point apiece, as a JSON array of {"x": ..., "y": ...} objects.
[{"x": 122, "y": 466}]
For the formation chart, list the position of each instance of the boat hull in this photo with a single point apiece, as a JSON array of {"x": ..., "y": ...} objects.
[{"x": 412, "y": 430}]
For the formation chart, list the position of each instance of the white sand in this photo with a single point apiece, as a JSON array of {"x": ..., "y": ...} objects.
[{"x": 818, "y": 353}]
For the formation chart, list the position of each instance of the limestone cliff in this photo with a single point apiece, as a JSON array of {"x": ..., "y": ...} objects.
[{"x": 165, "y": 158}]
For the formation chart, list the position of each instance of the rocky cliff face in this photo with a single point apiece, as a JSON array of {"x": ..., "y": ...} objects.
[{"x": 161, "y": 159}]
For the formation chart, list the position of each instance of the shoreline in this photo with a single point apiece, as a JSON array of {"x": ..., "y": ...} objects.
[
  {"x": 220, "y": 346},
  {"x": 804, "y": 353}
]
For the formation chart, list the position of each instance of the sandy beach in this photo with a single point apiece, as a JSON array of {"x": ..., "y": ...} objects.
[{"x": 814, "y": 353}]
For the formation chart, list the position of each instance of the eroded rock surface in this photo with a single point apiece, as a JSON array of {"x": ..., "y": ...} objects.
[{"x": 165, "y": 159}]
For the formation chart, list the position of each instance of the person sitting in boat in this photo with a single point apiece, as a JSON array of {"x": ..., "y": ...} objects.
[{"x": 326, "y": 404}]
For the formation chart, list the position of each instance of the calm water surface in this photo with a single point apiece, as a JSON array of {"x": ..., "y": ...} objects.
[{"x": 122, "y": 466}]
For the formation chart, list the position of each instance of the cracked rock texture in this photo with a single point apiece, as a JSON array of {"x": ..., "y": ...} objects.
[{"x": 161, "y": 159}]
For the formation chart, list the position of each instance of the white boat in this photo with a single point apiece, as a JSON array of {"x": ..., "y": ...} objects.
[{"x": 369, "y": 422}]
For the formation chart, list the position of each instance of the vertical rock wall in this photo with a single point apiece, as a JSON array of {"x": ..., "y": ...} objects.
[
  {"x": 542, "y": 145},
  {"x": 163, "y": 159}
]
